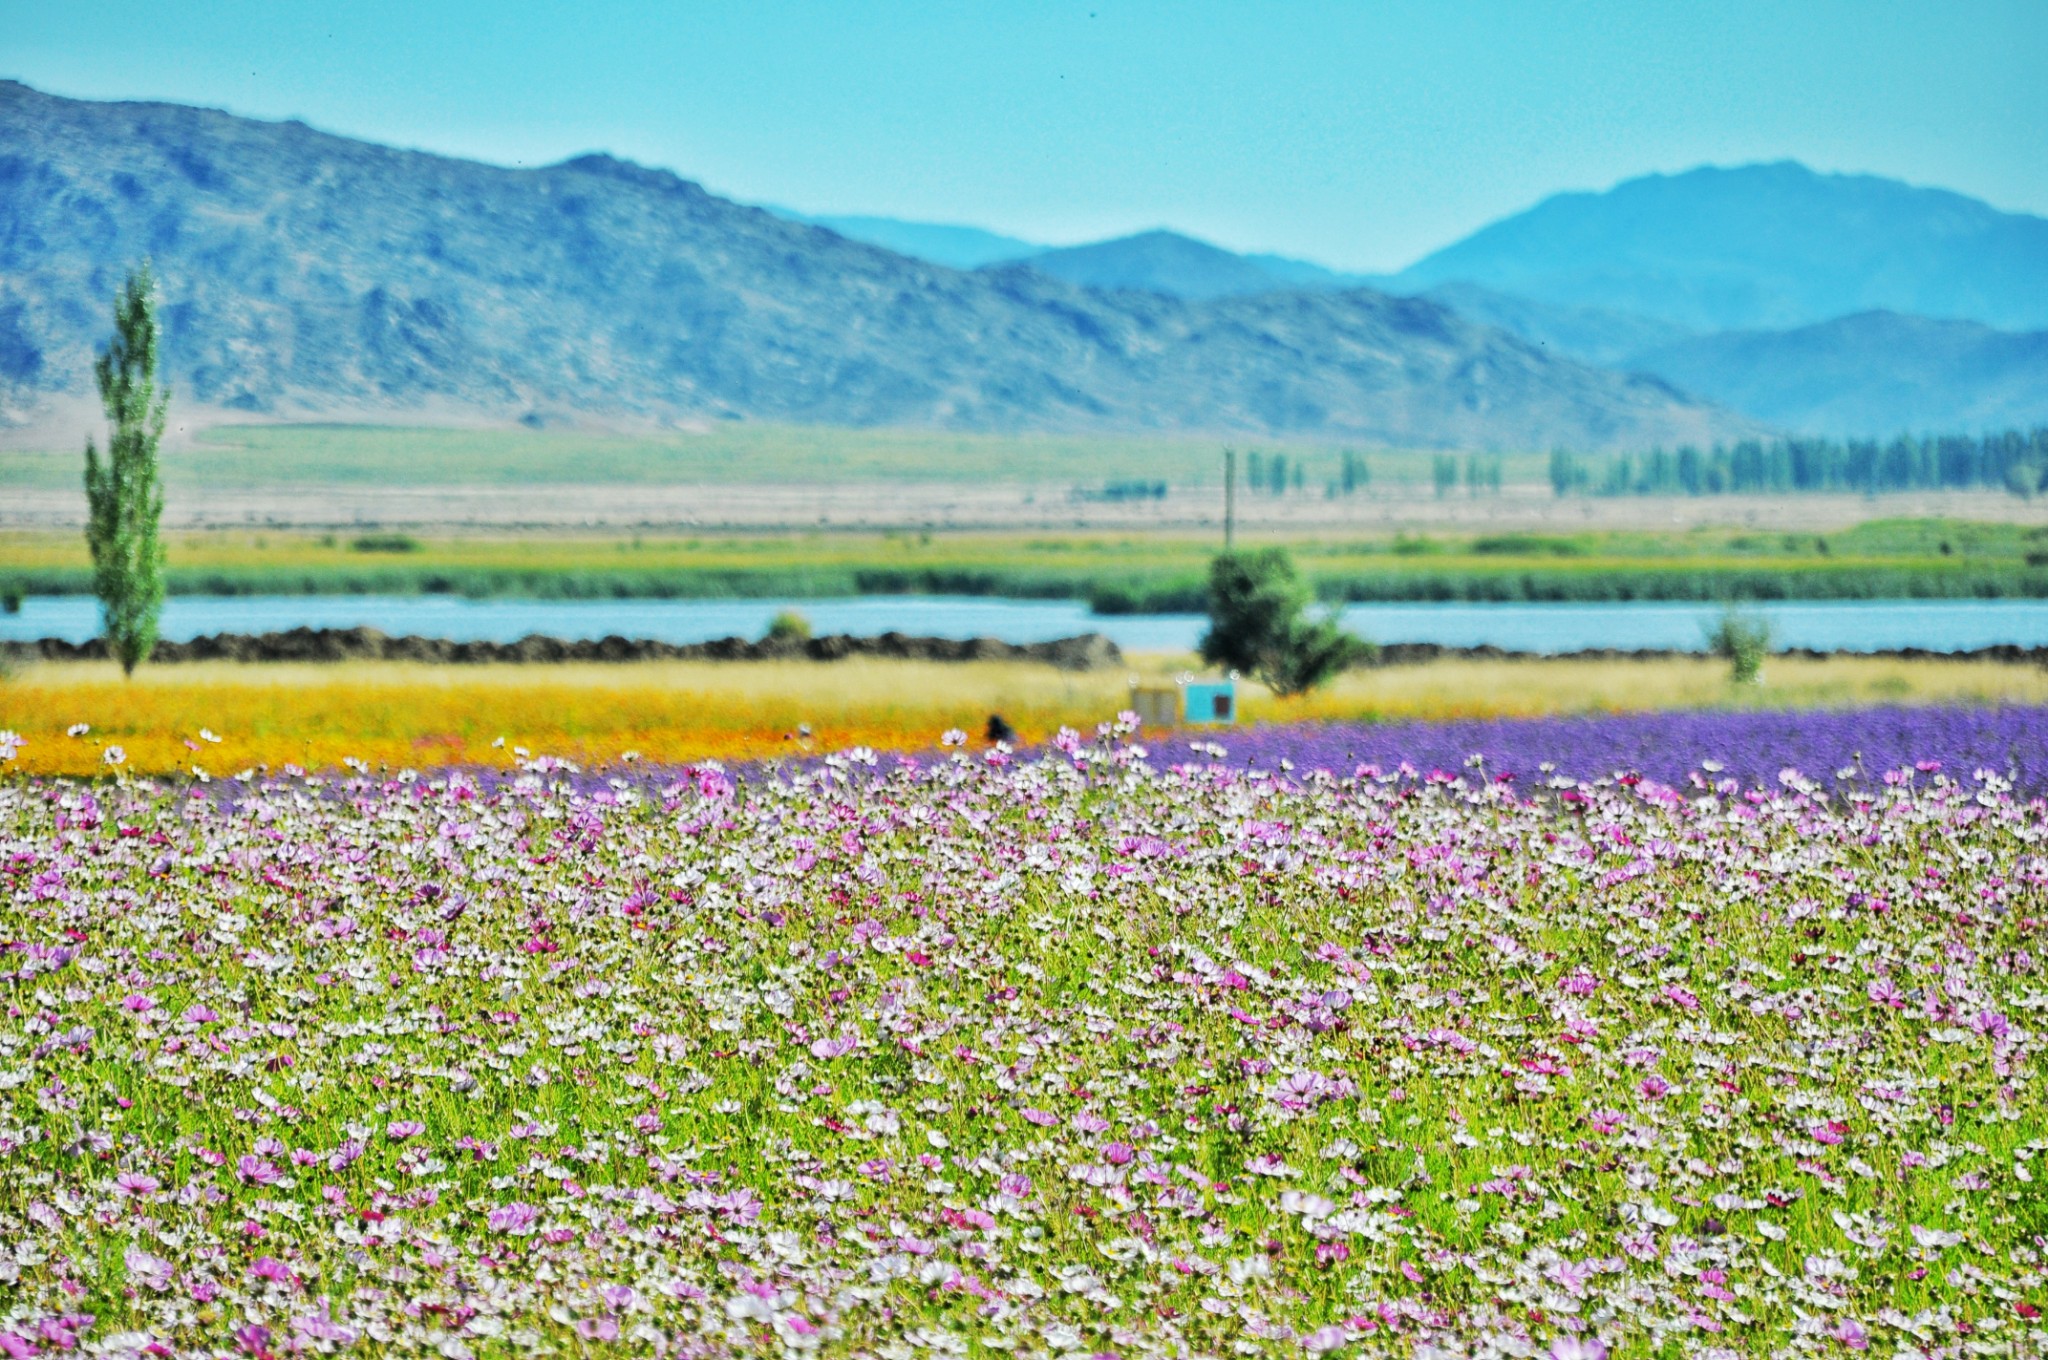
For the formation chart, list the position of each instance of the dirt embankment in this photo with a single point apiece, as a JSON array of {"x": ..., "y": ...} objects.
[{"x": 1090, "y": 651}]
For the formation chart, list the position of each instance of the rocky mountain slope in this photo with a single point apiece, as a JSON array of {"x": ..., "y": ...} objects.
[{"x": 309, "y": 275}]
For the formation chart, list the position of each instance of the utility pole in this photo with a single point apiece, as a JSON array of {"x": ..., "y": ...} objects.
[{"x": 1229, "y": 499}]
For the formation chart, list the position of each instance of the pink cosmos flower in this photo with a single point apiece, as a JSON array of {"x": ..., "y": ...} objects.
[
  {"x": 1570, "y": 1276},
  {"x": 1577, "y": 1348},
  {"x": 137, "y": 1184},
  {"x": 152, "y": 1272},
  {"x": 270, "y": 1268},
  {"x": 257, "y": 1171}
]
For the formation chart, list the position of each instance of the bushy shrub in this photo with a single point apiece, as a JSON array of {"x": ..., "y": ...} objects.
[
  {"x": 1743, "y": 640},
  {"x": 384, "y": 543},
  {"x": 1259, "y": 624},
  {"x": 788, "y": 626}
]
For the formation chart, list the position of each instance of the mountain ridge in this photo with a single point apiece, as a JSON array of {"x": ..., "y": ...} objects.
[
  {"x": 312, "y": 275},
  {"x": 1845, "y": 375}
]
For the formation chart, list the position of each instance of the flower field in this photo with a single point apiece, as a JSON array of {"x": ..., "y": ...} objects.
[
  {"x": 220, "y": 718},
  {"x": 1266, "y": 1047}
]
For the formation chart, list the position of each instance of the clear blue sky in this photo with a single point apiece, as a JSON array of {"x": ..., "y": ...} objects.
[{"x": 1363, "y": 134}]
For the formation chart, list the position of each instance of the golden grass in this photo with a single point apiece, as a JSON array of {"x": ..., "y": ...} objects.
[{"x": 399, "y": 714}]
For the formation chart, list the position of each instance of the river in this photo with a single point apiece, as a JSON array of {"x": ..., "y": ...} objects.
[{"x": 1859, "y": 625}]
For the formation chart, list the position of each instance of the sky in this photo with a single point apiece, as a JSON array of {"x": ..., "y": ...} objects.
[{"x": 1360, "y": 135}]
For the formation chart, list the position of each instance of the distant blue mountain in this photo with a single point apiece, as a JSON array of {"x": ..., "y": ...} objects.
[
  {"x": 1870, "y": 374},
  {"x": 1304, "y": 274},
  {"x": 1164, "y": 262},
  {"x": 1158, "y": 262},
  {"x": 1760, "y": 246},
  {"x": 1875, "y": 373},
  {"x": 955, "y": 247},
  {"x": 1181, "y": 266},
  {"x": 1592, "y": 335},
  {"x": 1729, "y": 284}
]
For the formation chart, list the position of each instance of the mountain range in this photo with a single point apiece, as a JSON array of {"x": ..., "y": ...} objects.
[
  {"x": 310, "y": 275},
  {"x": 1833, "y": 304}
]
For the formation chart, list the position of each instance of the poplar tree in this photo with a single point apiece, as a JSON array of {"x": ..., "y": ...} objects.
[{"x": 124, "y": 493}]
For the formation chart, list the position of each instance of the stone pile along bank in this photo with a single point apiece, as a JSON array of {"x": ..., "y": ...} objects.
[{"x": 1090, "y": 651}]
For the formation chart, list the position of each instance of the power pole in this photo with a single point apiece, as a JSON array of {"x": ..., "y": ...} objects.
[{"x": 1229, "y": 499}]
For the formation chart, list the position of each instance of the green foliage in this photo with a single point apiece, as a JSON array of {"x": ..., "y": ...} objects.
[
  {"x": 1567, "y": 474},
  {"x": 1443, "y": 473},
  {"x": 1526, "y": 545},
  {"x": 124, "y": 494},
  {"x": 2012, "y": 460},
  {"x": 1356, "y": 473},
  {"x": 384, "y": 543},
  {"x": 1483, "y": 474},
  {"x": 1743, "y": 640},
  {"x": 789, "y": 626},
  {"x": 1258, "y": 624},
  {"x": 1881, "y": 559}
]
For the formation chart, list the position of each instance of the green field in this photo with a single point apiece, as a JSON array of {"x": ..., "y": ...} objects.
[{"x": 1117, "y": 572}]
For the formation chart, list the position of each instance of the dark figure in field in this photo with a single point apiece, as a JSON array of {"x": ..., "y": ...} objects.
[{"x": 998, "y": 730}]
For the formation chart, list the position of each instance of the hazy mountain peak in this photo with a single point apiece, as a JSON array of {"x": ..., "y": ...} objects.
[
  {"x": 1164, "y": 261},
  {"x": 952, "y": 245},
  {"x": 1774, "y": 244}
]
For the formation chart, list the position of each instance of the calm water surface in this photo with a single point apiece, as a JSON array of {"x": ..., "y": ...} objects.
[{"x": 1861, "y": 625}]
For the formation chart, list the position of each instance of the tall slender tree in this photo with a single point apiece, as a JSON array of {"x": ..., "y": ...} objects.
[{"x": 124, "y": 493}]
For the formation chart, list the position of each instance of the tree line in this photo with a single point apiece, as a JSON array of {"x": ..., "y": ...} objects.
[
  {"x": 1276, "y": 474},
  {"x": 2009, "y": 460}
]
